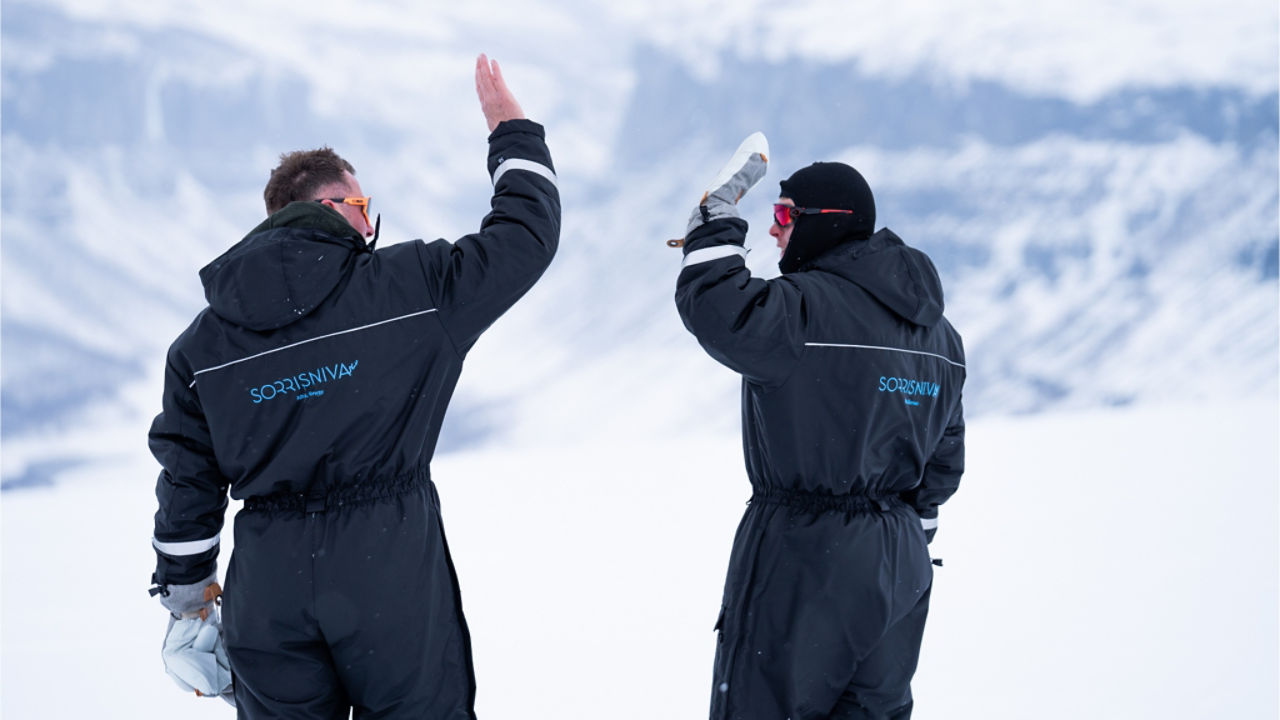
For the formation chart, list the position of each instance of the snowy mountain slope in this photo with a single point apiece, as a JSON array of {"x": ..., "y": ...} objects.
[
  {"x": 1105, "y": 225},
  {"x": 1076, "y": 238}
]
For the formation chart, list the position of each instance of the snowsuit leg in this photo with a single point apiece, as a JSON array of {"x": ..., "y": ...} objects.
[
  {"x": 368, "y": 589},
  {"x": 280, "y": 661},
  {"x": 816, "y": 585},
  {"x": 881, "y": 685}
]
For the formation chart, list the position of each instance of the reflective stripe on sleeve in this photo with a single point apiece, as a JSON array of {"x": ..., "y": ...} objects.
[
  {"x": 191, "y": 547},
  {"x": 713, "y": 253},
  {"x": 522, "y": 164}
]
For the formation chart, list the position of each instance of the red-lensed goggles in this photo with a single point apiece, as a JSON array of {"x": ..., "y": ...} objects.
[
  {"x": 360, "y": 202},
  {"x": 784, "y": 215}
]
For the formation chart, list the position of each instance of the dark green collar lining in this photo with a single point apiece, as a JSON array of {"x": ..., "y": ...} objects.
[{"x": 311, "y": 215}]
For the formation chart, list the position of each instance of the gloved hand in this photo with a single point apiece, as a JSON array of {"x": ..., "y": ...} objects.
[
  {"x": 193, "y": 652},
  {"x": 744, "y": 169}
]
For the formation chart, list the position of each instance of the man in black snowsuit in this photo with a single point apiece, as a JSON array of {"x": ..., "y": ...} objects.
[
  {"x": 853, "y": 436},
  {"x": 313, "y": 387}
]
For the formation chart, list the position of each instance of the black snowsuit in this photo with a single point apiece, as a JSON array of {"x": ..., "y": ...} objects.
[
  {"x": 853, "y": 435},
  {"x": 313, "y": 387}
]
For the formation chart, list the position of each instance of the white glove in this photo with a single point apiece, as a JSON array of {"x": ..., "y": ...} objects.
[
  {"x": 195, "y": 659},
  {"x": 193, "y": 652},
  {"x": 744, "y": 169}
]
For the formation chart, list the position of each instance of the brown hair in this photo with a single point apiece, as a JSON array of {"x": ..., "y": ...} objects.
[{"x": 300, "y": 174}]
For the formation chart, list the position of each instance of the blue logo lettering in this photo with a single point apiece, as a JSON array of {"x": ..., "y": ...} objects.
[
  {"x": 301, "y": 383},
  {"x": 910, "y": 388}
]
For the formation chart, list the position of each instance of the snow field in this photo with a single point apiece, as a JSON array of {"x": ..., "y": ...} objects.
[{"x": 1109, "y": 564}]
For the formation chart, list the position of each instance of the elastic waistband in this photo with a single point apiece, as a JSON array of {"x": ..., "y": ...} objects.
[
  {"x": 330, "y": 499},
  {"x": 818, "y": 501}
]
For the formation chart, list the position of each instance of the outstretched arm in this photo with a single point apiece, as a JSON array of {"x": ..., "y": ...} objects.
[
  {"x": 749, "y": 325},
  {"x": 476, "y": 279}
]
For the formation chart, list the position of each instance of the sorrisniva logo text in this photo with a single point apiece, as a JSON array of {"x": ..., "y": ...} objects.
[
  {"x": 302, "y": 382},
  {"x": 910, "y": 388}
]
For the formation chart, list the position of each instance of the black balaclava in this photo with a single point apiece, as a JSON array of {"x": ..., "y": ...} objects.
[{"x": 829, "y": 185}]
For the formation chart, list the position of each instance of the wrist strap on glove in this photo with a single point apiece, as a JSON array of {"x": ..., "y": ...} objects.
[{"x": 212, "y": 597}]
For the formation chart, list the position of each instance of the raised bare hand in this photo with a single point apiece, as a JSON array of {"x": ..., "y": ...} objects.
[{"x": 496, "y": 101}]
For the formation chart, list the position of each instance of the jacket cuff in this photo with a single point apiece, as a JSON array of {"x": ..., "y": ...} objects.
[
  {"x": 719, "y": 238},
  {"x": 182, "y": 600},
  {"x": 507, "y": 127},
  {"x": 519, "y": 145},
  {"x": 930, "y": 527},
  {"x": 720, "y": 231}
]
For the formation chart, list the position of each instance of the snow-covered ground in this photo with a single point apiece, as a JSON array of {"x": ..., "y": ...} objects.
[{"x": 1107, "y": 564}]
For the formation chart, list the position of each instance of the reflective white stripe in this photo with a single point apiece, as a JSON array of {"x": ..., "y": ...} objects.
[
  {"x": 878, "y": 347},
  {"x": 522, "y": 164},
  {"x": 929, "y": 523},
  {"x": 713, "y": 253},
  {"x": 304, "y": 342},
  {"x": 191, "y": 547}
]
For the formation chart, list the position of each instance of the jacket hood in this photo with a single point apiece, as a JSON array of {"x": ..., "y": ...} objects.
[
  {"x": 283, "y": 268},
  {"x": 902, "y": 278}
]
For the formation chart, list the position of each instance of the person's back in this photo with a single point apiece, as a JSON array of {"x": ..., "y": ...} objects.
[
  {"x": 853, "y": 434},
  {"x": 321, "y": 363},
  {"x": 860, "y": 398},
  {"x": 313, "y": 388}
]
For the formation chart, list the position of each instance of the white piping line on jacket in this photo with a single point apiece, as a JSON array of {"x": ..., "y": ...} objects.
[
  {"x": 880, "y": 347},
  {"x": 304, "y": 342}
]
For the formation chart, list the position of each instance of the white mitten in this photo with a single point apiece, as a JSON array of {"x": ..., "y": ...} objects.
[
  {"x": 744, "y": 169},
  {"x": 193, "y": 652}
]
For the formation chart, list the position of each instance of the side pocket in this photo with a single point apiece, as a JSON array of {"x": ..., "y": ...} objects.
[{"x": 720, "y": 671}]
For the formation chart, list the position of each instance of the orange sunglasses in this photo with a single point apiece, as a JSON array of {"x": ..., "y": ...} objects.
[{"x": 360, "y": 202}]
